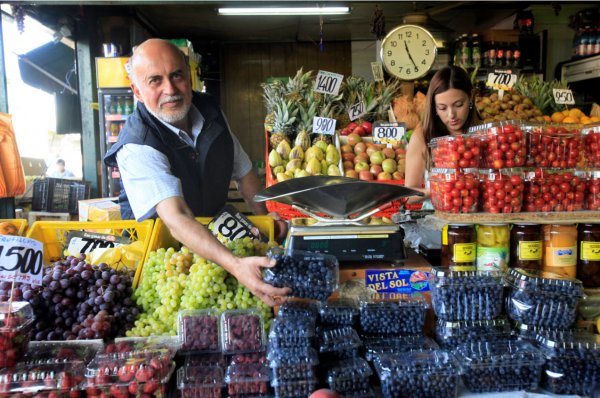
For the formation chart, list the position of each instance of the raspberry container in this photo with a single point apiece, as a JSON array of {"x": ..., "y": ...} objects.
[
  {"x": 420, "y": 373},
  {"x": 455, "y": 191},
  {"x": 592, "y": 190},
  {"x": 591, "y": 141},
  {"x": 294, "y": 389},
  {"x": 499, "y": 366},
  {"x": 309, "y": 274},
  {"x": 541, "y": 298},
  {"x": 349, "y": 376},
  {"x": 128, "y": 377},
  {"x": 392, "y": 313},
  {"x": 291, "y": 332},
  {"x": 247, "y": 380},
  {"x": 456, "y": 151},
  {"x": 503, "y": 144},
  {"x": 299, "y": 308},
  {"x": 199, "y": 331},
  {"x": 16, "y": 321},
  {"x": 339, "y": 311},
  {"x": 41, "y": 352},
  {"x": 242, "y": 331},
  {"x": 501, "y": 190},
  {"x": 572, "y": 362},
  {"x": 250, "y": 357},
  {"x": 289, "y": 364},
  {"x": 466, "y": 295},
  {"x": 44, "y": 380},
  {"x": 554, "y": 146},
  {"x": 394, "y": 345},
  {"x": 338, "y": 343},
  {"x": 200, "y": 381},
  {"x": 554, "y": 190},
  {"x": 451, "y": 334},
  {"x": 212, "y": 359}
]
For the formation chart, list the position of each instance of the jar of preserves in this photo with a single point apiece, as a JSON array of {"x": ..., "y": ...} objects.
[
  {"x": 459, "y": 247},
  {"x": 492, "y": 247},
  {"x": 560, "y": 249},
  {"x": 526, "y": 246},
  {"x": 588, "y": 262}
]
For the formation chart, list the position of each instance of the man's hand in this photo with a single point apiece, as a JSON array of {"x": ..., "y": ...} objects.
[
  {"x": 248, "y": 272},
  {"x": 281, "y": 227}
]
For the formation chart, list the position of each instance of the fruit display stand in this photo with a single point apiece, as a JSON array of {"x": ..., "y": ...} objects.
[
  {"x": 20, "y": 223},
  {"x": 525, "y": 217}
]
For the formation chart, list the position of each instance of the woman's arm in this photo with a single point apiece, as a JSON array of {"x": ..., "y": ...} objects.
[{"x": 416, "y": 155}]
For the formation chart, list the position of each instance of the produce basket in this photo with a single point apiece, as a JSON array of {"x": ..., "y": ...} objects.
[
  {"x": 20, "y": 223},
  {"x": 59, "y": 195},
  {"x": 53, "y": 235}
]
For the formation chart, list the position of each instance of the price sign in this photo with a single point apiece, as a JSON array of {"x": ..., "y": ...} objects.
[
  {"x": 21, "y": 260},
  {"x": 324, "y": 125},
  {"x": 388, "y": 133},
  {"x": 377, "y": 70},
  {"x": 563, "y": 96},
  {"x": 230, "y": 225},
  {"x": 357, "y": 110},
  {"x": 80, "y": 242},
  {"x": 501, "y": 80},
  {"x": 328, "y": 82}
]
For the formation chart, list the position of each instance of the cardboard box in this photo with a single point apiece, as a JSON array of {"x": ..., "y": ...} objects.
[{"x": 102, "y": 209}]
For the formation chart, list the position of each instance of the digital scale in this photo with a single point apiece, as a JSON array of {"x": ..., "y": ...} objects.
[{"x": 340, "y": 229}]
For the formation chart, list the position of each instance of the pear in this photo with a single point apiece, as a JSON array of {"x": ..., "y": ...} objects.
[
  {"x": 322, "y": 145},
  {"x": 333, "y": 170},
  {"x": 293, "y": 165},
  {"x": 283, "y": 149},
  {"x": 282, "y": 177},
  {"x": 297, "y": 153},
  {"x": 302, "y": 140},
  {"x": 301, "y": 173},
  {"x": 278, "y": 169},
  {"x": 324, "y": 166},
  {"x": 275, "y": 159},
  {"x": 332, "y": 156},
  {"x": 289, "y": 173},
  {"x": 313, "y": 167},
  {"x": 313, "y": 153}
]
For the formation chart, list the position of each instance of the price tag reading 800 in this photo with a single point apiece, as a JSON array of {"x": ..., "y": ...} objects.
[
  {"x": 21, "y": 260},
  {"x": 563, "y": 96},
  {"x": 324, "y": 125},
  {"x": 501, "y": 80},
  {"x": 388, "y": 133}
]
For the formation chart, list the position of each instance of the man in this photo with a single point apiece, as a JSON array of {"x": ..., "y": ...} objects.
[
  {"x": 60, "y": 171},
  {"x": 176, "y": 156}
]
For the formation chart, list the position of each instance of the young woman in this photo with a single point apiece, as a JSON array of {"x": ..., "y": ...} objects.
[{"x": 449, "y": 110}]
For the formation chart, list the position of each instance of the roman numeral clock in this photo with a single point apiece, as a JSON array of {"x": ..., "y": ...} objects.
[{"x": 408, "y": 52}]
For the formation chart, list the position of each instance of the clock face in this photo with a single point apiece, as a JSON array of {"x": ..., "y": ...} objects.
[{"x": 408, "y": 52}]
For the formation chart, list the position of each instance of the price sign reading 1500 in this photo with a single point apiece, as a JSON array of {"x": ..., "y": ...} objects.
[
  {"x": 388, "y": 133},
  {"x": 563, "y": 96},
  {"x": 21, "y": 260}
]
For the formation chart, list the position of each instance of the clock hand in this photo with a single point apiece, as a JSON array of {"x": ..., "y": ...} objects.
[{"x": 409, "y": 56}]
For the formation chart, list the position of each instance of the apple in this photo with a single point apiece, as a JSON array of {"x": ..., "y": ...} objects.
[
  {"x": 348, "y": 156},
  {"x": 360, "y": 131},
  {"x": 360, "y": 147},
  {"x": 377, "y": 157},
  {"x": 371, "y": 149},
  {"x": 368, "y": 127},
  {"x": 396, "y": 175},
  {"x": 375, "y": 169},
  {"x": 353, "y": 139},
  {"x": 389, "y": 165},
  {"x": 346, "y": 148},
  {"x": 348, "y": 165},
  {"x": 365, "y": 175},
  {"x": 361, "y": 166},
  {"x": 384, "y": 176},
  {"x": 389, "y": 153},
  {"x": 351, "y": 173},
  {"x": 361, "y": 157},
  {"x": 351, "y": 126},
  {"x": 345, "y": 131},
  {"x": 400, "y": 152}
]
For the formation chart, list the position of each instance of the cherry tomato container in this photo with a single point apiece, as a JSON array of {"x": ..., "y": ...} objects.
[
  {"x": 455, "y": 191},
  {"x": 503, "y": 144},
  {"x": 43, "y": 380},
  {"x": 501, "y": 190},
  {"x": 591, "y": 144},
  {"x": 592, "y": 191},
  {"x": 16, "y": 320},
  {"x": 548, "y": 190},
  {"x": 458, "y": 151},
  {"x": 554, "y": 146}
]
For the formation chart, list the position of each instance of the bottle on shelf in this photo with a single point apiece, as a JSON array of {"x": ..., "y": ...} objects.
[
  {"x": 476, "y": 51},
  {"x": 465, "y": 51},
  {"x": 120, "y": 108},
  {"x": 112, "y": 100},
  {"x": 596, "y": 47},
  {"x": 500, "y": 55},
  {"x": 128, "y": 105},
  {"x": 492, "y": 54},
  {"x": 508, "y": 57},
  {"x": 516, "y": 56}
]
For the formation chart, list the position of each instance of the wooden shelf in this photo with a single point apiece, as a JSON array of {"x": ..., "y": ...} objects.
[{"x": 511, "y": 218}]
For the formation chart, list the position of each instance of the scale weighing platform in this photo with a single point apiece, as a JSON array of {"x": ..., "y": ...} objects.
[{"x": 345, "y": 203}]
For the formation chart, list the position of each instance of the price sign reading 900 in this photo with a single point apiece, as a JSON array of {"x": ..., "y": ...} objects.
[
  {"x": 563, "y": 96},
  {"x": 324, "y": 125},
  {"x": 388, "y": 133},
  {"x": 21, "y": 260}
]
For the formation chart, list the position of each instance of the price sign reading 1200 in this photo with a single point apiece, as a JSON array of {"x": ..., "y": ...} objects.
[
  {"x": 324, "y": 125},
  {"x": 388, "y": 133},
  {"x": 563, "y": 96},
  {"x": 328, "y": 82},
  {"x": 21, "y": 260}
]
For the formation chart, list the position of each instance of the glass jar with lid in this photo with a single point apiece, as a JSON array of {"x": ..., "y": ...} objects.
[
  {"x": 588, "y": 261},
  {"x": 459, "y": 247},
  {"x": 560, "y": 249},
  {"x": 492, "y": 247},
  {"x": 526, "y": 249}
]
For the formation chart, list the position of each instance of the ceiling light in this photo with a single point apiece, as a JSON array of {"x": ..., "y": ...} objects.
[{"x": 326, "y": 10}]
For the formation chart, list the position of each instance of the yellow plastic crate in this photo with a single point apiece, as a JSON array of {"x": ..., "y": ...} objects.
[
  {"x": 162, "y": 238},
  {"x": 20, "y": 223},
  {"x": 53, "y": 234}
]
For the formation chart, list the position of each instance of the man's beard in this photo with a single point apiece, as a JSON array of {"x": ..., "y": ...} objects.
[{"x": 172, "y": 116}]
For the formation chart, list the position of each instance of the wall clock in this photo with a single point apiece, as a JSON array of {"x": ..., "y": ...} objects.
[{"x": 408, "y": 52}]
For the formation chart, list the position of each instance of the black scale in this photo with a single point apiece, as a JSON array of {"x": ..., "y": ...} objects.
[{"x": 343, "y": 203}]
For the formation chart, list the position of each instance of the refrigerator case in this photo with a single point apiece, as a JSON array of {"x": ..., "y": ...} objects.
[{"x": 115, "y": 105}]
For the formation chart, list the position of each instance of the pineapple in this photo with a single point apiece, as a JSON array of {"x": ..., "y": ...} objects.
[
  {"x": 284, "y": 119},
  {"x": 299, "y": 87},
  {"x": 330, "y": 106},
  {"x": 272, "y": 93},
  {"x": 387, "y": 94}
]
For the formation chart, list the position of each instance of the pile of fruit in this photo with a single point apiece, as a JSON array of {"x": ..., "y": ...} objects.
[
  {"x": 366, "y": 160},
  {"x": 7, "y": 228},
  {"x": 573, "y": 115},
  {"x": 174, "y": 280},
  {"x": 510, "y": 107}
]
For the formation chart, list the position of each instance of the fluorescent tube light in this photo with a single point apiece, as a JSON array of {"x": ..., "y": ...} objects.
[{"x": 326, "y": 10}]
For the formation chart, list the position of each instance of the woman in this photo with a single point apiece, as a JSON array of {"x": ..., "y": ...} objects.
[{"x": 449, "y": 110}]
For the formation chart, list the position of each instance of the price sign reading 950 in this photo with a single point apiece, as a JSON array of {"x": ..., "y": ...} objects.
[
  {"x": 357, "y": 110},
  {"x": 328, "y": 82},
  {"x": 21, "y": 260},
  {"x": 324, "y": 125},
  {"x": 563, "y": 96},
  {"x": 501, "y": 80},
  {"x": 388, "y": 133}
]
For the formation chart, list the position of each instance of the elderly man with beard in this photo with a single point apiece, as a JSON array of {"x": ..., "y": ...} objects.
[{"x": 177, "y": 155}]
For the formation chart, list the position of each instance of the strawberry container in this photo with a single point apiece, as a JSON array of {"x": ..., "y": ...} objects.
[
  {"x": 242, "y": 331},
  {"x": 199, "y": 331},
  {"x": 200, "y": 381},
  {"x": 455, "y": 191},
  {"x": 63, "y": 351},
  {"x": 591, "y": 144},
  {"x": 503, "y": 144},
  {"x": 43, "y": 380},
  {"x": 501, "y": 190},
  {"x": 247, "y": 380},
  {"x": 457, "y": 151},
  {"x": 16, "y": 321},
  {"x": 548, "y": 190},
  {"x": 554, "y": 146},
  {"x": 143, "y": 346}
]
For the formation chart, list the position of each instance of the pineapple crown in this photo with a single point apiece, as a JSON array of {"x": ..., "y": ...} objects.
[{"x": 285, "y": 116}]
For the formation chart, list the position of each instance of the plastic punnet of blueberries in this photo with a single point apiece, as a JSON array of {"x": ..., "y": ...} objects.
[
  {"x": 392, "y": 313},
  {"x": 393, "y": 345},
  {"x": 339, "y": 311},
  {"x": 450, "y": 334}
]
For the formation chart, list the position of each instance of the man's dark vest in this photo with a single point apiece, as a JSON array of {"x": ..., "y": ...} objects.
[{"x": 204, "y": 171}]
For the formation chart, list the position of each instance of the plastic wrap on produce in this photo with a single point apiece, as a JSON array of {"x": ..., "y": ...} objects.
[{"x": 425, "y": 232}]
